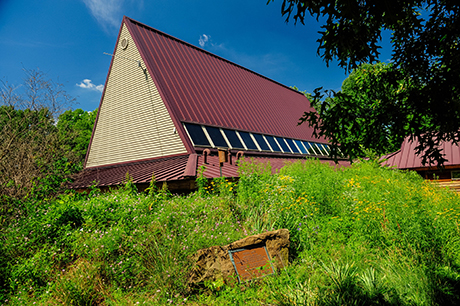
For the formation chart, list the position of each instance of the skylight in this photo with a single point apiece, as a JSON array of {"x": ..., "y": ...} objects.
[
  {"x": 197, "y": 135},
  {"x": 233, "y": 138},
  {"x": 321, "y": 148},
  {"x": 208, "y": 136},
  {"x": 262, "y": 142},
  {"x": 311, "y": 149},
  {"x": 248, "y": 141},
  {"x": 292, "y": 145},
  {"x": 216, "y": 137},
  {"x": 283, "y": 144},
  {"x": 273, "y": 144},
  {"x": 301, "y": 146}
]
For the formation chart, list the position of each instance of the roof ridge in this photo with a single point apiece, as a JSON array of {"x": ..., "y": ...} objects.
[{"x": 205, "y": 51}]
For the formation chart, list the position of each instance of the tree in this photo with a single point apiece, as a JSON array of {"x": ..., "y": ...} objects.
[
  {"x": 33, "y": 159},
  {"x": 368, "y": 110},
  {"x": 425, "y": 36},
  {"x": 75, "y": 128}
]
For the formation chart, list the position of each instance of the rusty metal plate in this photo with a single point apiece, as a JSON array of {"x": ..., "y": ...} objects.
[
  {"x": 251, "y": 262},
  {"x": 223, "y": 156}
]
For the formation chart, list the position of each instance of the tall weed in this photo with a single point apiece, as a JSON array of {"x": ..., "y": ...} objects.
[{"x": 398, "y": 234}]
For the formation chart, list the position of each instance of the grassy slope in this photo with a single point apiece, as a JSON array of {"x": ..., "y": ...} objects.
[{"x": 362, "y": 235}]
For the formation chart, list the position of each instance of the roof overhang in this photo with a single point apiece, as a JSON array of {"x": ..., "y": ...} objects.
[{"x": 183, "y": 168}]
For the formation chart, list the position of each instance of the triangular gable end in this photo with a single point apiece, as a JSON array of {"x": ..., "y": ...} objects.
[{"x": 133, "y": 122}]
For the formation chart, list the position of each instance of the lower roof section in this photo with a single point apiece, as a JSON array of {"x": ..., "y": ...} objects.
[
  {"x": 165, "y": 169},
  {"x": 175, "y": 169},
  {"x": 405, "y": 158},
  {"x": 212, "y": 167}
]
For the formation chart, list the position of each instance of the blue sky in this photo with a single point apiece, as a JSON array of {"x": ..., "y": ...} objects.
[{"x": 67, "y": 39}]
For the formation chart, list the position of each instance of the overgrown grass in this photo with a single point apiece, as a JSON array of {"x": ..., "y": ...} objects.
[{"x": 362, "y": 235}]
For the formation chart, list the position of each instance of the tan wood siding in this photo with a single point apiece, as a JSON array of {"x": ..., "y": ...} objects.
[
  {"x": 133, "y": 121},
  {"x": 454, "y": 185}
]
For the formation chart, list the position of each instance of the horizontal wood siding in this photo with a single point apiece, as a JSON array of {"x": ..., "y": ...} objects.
[
  {"x": 454, "y": 185},
  {"x": 133, "y": 122}
]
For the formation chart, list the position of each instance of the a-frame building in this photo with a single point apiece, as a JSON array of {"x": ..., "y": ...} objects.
[{"x": 168, "y": 107}]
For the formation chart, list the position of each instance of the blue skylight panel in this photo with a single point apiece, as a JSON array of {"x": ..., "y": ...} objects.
[
  {"x": 197, "y": 135},
  {"x": 292, "y": 145},
  {"x": 273, "y": 143},
  {"x": 248, "y": 141},
  {"x": 321, "y": 148},
  {"x": 324, "y": 148},
  {"x": 309, "y": 147},
  {"x": 216, "y": 137},
  {"x": 232, "y": 137},
  {"x": 300, "y": 145},
  {"x": 283, "y": 144},
  {"x": 261, "y": 141},
  {"x": 317, "y": 148}
]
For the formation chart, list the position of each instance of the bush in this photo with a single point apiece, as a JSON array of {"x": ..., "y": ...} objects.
[{"x": 362, "y": 235}]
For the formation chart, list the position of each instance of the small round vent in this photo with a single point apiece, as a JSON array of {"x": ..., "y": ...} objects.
[{"x": 124, "y": 43}]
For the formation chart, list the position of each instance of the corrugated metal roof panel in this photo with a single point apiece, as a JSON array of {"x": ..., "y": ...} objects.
[
  {"x": 172, "y": 169},
  {"x": 201, "y": 87},
  {"x": 276, "y": 163},
  {"x": 407, "y": 159},
  {"x": 165, "y": 169}
]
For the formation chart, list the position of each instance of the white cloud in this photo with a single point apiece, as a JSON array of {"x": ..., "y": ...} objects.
[
  {"x": 107, "y": 12},
  {"x": 203, "y": 40},
  {"x": 88, "y": 84}
]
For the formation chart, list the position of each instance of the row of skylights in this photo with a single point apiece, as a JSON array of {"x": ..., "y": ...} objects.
[{"x": 208, "y": 136}]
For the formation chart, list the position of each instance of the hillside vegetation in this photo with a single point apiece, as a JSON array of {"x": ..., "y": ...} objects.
[{"x": 363, "y": 235}]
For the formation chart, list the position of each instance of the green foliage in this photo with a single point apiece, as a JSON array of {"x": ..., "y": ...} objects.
[
  {"x": 367, "y": 114},
  {"x": 35, "y": 158},
  {"x": 425, "y": 38},
  {"x": 80, "y": 286},
  {"x": 53, "y": 177},
  {"x": 152, "y": 189},
  {"x": 75, "y": 128},
  {"x": 201, "y": 180},
  {"x": 23, "y": 157},
  {"x": 128, "y": 185},
  {"x": 363, "y": 235}
]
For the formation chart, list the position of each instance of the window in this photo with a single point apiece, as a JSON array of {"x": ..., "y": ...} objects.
[
  {"x": 292, "y": 145},
  {"x": 261, "y": 141},
  {"x": 311, "y": 149},
  {"x": 248, "y": 141},
  {"x": 301, "y": 146},
  {"x": 283, "y": 144},
  {"x": 197, "y": 135},
  {"x": 233, "y": 138},
  {"x": 455, "y": 175},
  {"x": 216, "y": 137},
  {"x": 208, "y": 136},
  {"x": 273, "y": 143},
  {"x": 322, "y": 149}
]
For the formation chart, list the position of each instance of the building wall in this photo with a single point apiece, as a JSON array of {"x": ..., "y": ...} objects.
[
  {"x": 443, "y": 178},
  {"x": 133, "y": 121}
]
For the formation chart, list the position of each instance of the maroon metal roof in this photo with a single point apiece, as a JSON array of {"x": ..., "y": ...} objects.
[
  {"x": 174, "y": 168},
  {"x": 165, "y": 169},
  {"x": 406, "y": 158},
  {"x": 200, "y": 87},
  {"x": 276, "y": 163}
]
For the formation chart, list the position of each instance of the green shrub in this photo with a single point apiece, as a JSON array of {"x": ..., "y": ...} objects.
[{"x": 362, "y": 235}]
